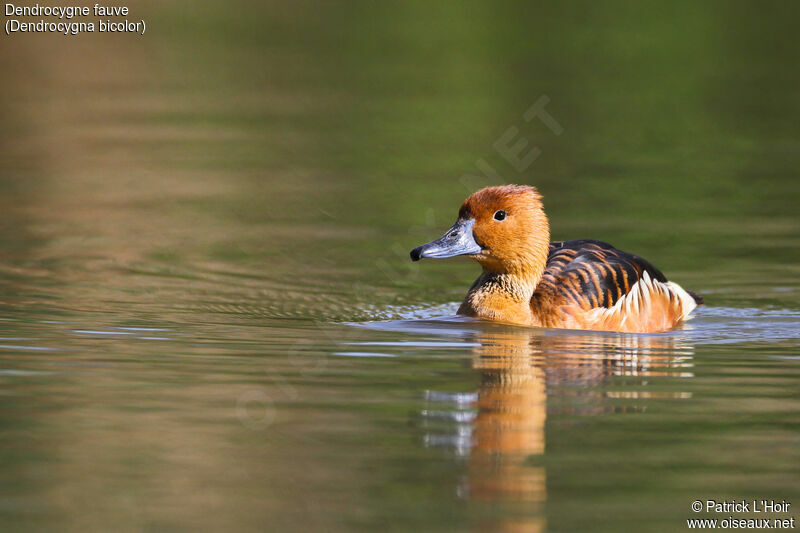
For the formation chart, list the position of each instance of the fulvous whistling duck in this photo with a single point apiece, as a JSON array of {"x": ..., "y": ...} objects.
[{"x": 526, "y": 279}]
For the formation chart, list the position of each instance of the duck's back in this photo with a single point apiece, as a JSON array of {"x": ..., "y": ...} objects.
[{"x": 589, "y": 284}]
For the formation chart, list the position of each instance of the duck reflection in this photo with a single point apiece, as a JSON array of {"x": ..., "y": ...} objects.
[{"x": 500, "y": 429}]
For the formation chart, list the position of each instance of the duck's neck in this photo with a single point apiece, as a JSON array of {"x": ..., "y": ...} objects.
[
  {"x": 504, "y": 290},
  {"x": 505, "y": 297}
]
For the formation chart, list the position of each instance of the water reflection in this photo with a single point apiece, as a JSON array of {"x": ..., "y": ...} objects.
[
  {"x": 500, "y": 430},
  {"x": 248, "y": 191}
]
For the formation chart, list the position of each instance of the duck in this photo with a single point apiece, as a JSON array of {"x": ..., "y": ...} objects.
[{"x": 527, "y": 279}]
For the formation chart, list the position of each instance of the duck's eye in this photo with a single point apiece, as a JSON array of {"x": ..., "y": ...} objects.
[{"x": 500, "y": 215}]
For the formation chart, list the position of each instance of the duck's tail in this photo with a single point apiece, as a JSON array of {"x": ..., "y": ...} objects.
[
  {"x": 697, "y": 298},
  {"x": 650, "y": 306}
]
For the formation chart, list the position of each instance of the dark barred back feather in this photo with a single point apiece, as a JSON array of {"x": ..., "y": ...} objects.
[{"x": 590, "y": 274}]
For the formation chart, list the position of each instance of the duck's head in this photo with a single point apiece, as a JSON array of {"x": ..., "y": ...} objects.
[{"x": 503, "y": 228}]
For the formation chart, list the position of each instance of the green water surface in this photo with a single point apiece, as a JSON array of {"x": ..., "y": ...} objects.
[{"x": 208, "y": 317}]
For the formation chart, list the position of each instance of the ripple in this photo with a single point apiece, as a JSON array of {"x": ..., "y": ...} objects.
[
  {"x": 363, "y": 354},
  {"x": 709, "y": 325}
]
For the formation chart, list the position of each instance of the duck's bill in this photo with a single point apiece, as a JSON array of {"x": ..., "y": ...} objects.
[{"x": 458, "y": 240}]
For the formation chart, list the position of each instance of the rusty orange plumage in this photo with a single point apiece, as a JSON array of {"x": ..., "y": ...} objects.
[{"x": 526, "y": 279}]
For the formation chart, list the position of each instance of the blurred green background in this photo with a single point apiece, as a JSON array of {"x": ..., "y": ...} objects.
[
  {"x": 248, "y": 173},
  {"x": 680, "y": 138}
]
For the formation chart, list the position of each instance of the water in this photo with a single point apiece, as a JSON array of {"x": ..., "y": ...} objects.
[{"x": 210, "y": 322}]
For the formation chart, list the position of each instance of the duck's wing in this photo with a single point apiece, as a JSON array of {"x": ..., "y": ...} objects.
[
  {"x": 590, "y": 284},
  {"x": 592, "y": 273}
]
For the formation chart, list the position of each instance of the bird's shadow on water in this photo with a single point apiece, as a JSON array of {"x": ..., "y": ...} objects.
[
  {"x": 497, "y": 428},
  {"x": 527, "y": 374}
]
